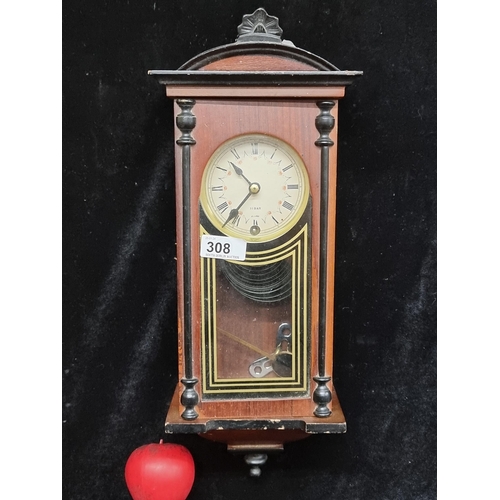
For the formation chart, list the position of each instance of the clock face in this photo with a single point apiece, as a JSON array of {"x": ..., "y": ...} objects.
[{"x": 254, "y": 187}]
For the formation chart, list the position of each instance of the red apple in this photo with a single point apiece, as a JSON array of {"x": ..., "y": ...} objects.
[{"x": 163, "y": 471}]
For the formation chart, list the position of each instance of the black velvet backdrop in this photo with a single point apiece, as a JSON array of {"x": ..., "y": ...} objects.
[{"x": 119, "y": 310}]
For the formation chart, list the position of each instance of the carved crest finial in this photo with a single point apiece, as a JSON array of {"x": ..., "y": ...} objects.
[{"x": 259, "y": 26}]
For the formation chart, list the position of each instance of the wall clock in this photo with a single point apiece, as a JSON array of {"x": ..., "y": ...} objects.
[{"x": 256, "y": 159}]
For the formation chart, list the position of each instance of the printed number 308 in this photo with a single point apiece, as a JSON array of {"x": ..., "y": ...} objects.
[{"x": 218, "y": 247}]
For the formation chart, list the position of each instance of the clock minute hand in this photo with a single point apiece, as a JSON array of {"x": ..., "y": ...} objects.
[
  {"x": 253, "y": 188},
  {"x": 234, "y": 211},
  {"x": 239, "y": 171},
  {"x": 232, "y": 214}
]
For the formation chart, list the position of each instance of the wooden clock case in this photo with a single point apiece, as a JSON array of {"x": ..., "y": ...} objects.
[{"x": 259, "y": 84}]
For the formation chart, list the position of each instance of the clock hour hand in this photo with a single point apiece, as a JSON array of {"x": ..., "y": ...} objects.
[{"x": 239, "y": 171}]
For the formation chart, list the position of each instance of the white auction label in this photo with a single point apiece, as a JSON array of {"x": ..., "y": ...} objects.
[{"x": 223, "y": 247}]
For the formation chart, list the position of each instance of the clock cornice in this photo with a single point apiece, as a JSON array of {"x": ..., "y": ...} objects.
[{"x": 258, "y": 57}]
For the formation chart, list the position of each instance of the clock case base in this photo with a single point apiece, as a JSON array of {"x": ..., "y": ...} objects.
[
  {"x": 250, "y": 434},
  {"x": 255, "y": 438}
]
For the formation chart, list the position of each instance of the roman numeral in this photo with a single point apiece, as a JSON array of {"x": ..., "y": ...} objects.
[
  {"x": 255, "y": 222},
  {"x": 217, "y": 188},
  {"x": 287, "y": 205},
  {"x": 235, "y": 153},
  {"x": 223, "y": 207},
  {"x": 288, "y": 167},
  {"x": 274, "y": 152},
  {"x": 292, "y": 186},
  {"x": 255, "y": 148},
  {"x": 275, "y": 220},
  {"x": 223, "y": 169}
]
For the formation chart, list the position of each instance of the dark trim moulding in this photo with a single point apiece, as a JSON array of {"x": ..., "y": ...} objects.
[
  {"x": 255, "y": 78},
  {"x": 255, "y": 425}
]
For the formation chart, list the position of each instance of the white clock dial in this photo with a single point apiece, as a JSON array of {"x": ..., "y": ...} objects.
[{"x": 254, "y": 187}]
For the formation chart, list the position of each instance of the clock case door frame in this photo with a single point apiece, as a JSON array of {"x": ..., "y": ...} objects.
[
  {"x": 217, "y": 121},
  {"x": 297, "y": 104}
]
